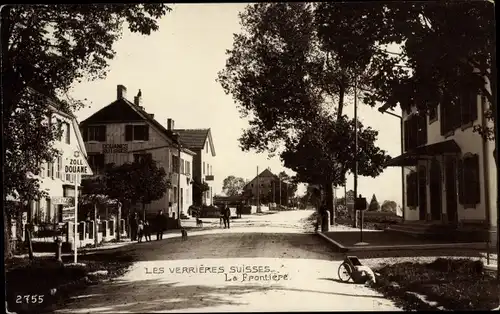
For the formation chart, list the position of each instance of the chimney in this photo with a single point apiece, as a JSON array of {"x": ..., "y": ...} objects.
[
  {"x": 170, "y": 124},
  {"x": 121, "y": 92}
]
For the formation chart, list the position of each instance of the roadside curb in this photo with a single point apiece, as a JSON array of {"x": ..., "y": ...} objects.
[{"x": 475, "y": 245}]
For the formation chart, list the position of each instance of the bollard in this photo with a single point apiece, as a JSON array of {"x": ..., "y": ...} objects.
[{"x": 58, "y": 243}]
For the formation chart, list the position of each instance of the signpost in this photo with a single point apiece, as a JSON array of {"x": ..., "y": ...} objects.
[
  {"x": 77, "y": 165},
  {"x": 360, "y": 205}
]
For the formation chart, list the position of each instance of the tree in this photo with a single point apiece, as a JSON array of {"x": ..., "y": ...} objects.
[
  {"x": 150, "y": 182},
  {"x": 324, "y": 154},
  {"x": 119, "y": 182},
  {"x": 389, "y": 207},
  {"x": 48, "y": 48},
  {"x": 374, "y": 205},
  {"x": 94, "y": 193},
  {"x": 233, "y": 185},
  {"x": 288, "y": 188},
  {"x": 284, "y": 74}
]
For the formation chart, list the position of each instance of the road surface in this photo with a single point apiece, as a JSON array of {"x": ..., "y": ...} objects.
[{"x": 263, "y": 263}]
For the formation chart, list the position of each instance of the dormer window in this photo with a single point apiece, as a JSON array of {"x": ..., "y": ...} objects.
[{"x": 136, "y": 133}]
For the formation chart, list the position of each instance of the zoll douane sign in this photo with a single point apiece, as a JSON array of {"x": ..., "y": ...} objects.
[{"x": 77, "y": 164}]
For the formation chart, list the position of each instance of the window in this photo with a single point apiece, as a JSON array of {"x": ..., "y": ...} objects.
[
  {"x": 415, "y": 131},
  {"x": 203, "y": 168},
  {"x": 136, "y": 133},
  {"x": 50, "y": 170},
  {"x": 96, "y": 162},
  {"x": 59, "y": 167},
  {"x": 95, "y": 133},
  {"x": 433, "y": 114},
  {"x": 206, "y": 148},
  {"x": 412, "y": 189},
  {"x": 142, "y": 157},
  {"x": 468, "y": 107},
  {"x": 182, "y": 165},
  {"x": 67, "y": 130},
  {"x": 188, "y": 168},
  {"x": 175, "y": 194},
  {"x": 175, "y": 164},
  {"x": 42, "y": 170},
  {"x": 469, "y": 187}
]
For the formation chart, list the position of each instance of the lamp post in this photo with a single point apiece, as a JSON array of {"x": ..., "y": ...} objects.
[{"x": 383, "y": 110}]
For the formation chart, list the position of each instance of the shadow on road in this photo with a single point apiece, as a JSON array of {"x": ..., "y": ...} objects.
[{"x": 156, "y": 295}]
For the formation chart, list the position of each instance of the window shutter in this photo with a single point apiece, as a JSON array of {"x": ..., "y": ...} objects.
[
  {"x": 406, "y": 134},
  {"x": 465, "y": 107},
  {"x": 460, "y": 175},
  {"x": 102, "y": 133},
  {"x": 68, "y": 133},
  {"x": 146, "y": 132},
  {"x": 443, "y": 117},
  {"x": 128, "y": 133},
  {"x": 473, "y": 107},
  {"x": 476, "y": 183},
  {"x": 85, "y": 134}
]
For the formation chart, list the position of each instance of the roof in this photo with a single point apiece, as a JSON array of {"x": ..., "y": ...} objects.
[
  {"x": 196, "y": 138},
  {"x": 265, "y": 173},
  {"x": 122, "y": 110}
]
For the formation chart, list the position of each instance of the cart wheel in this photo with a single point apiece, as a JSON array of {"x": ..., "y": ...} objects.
[{"x": 345, "y": 272}]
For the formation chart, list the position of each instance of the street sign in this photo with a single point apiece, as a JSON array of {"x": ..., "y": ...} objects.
[
  {"x": 77, "y": 164},
  {"x": 360, "y": 203},
  {"x": 63, "y": 200}
]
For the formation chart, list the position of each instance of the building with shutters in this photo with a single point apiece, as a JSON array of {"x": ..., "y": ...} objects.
[
  {"x": 123, "y": 132},
  {"x": 450, "y": 177},
  {"x": 201, "y": 143}
]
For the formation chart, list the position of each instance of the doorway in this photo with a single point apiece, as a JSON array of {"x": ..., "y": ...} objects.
[
  {"x": 451, "y": 189},
  {"x": 422, "y": 193},
  {"x": 435, "y": 190}
]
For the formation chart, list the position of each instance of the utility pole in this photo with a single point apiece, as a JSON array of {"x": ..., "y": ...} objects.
[
  {"x": 279, "y": 178},
  {"x": 258, "y": 190},
  {"x": 356, "y": 149},
  {"x": 178, "y": 181}
]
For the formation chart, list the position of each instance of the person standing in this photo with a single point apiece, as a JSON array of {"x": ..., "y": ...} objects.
[
  {"x": 221, "y": 213},
  {"x": 160, "y": 225},
  {"x": 147, "y": 231},
  {"x": 133, "y": 226},
  {"x": 227, "y": 215},
  {"x": 140, "y": 231}
]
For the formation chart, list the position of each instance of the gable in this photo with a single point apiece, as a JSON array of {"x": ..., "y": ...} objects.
[{"x": 116, "y": 112}]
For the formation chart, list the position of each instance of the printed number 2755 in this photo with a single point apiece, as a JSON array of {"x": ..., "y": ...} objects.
[{"x": 30, "y": 299}]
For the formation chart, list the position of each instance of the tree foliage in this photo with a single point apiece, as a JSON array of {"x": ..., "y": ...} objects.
[
  {"x": 374, "y": 205},
  {"x": 150, "y": 180},
  {"x": 389, "y": 207},
  {"x": 325, "y": 152},
  {"x": 48, "y": 48},
  {"x": 233, "y": 185}
]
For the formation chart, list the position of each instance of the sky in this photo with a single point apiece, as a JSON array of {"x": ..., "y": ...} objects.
[{"x": 176, "y": 69}]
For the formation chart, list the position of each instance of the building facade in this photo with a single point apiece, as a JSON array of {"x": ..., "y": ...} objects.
[
  {"x": 123, "y": 132},
  {"x": 201, "y": 143},
  {"x": 449, "y": 170},
  {"x": 59, "y": 204},
  {"x": 262, "y": 185}
]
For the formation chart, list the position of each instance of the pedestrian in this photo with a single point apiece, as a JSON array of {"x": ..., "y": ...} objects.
[
  {"x": 133, "y": 226},
  {"x": 147, "y": 231},
  {"x": 221, "y": 215},
  {"x": 239, "y": 210},
  {"x": 140, "y": 231},
  {"x": 227, "y": 215},
  {"x": 160, "y": 225}
]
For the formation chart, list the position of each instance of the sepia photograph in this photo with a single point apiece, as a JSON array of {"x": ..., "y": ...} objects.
[{"x": 250, "y": 157}]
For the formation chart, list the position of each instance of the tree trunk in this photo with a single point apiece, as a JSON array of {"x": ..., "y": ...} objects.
[
  {"x": 29, "y": 227},
  {"x": 143, "y": 212},
  {"x": 341, "y": 102},
  {"x": 118, "y": 224},
  {"x": 329, "y": 199},
  {"x": 8, "y": 233},
  {"x": 96, "y": 225}
]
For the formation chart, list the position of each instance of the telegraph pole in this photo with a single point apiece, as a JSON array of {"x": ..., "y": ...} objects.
[
  {"x": 279, "y": 178},
  {"x": 258, "y": 191},
  {"x": 356, "y": 149}
]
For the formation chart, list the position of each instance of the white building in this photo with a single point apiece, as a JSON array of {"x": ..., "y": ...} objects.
[
  {"x": 60, "y": 187},
  {"x": 450, "y": 171},
  {"x": 122, "y": 132},
  {"x": 201, "y": 143}
]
